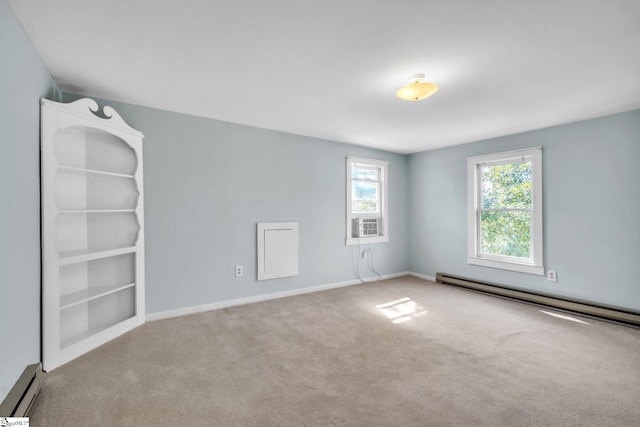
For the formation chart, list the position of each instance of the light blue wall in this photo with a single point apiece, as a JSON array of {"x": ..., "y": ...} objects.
[
  {"x": 23, "y": 81},
  {"x": 591, "y": 210},
  {"x": 207, "y": 184}
]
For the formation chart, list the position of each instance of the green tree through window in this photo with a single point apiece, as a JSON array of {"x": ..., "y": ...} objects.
[{"x": 506, "y": 202}]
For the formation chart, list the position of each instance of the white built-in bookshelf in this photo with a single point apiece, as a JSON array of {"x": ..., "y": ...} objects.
[{"x": 92, "y": 228}]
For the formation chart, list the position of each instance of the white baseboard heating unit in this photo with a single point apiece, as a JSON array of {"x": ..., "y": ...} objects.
[
  {"x": 600, "y": 311},
  {"x": 20, "y": 399}
]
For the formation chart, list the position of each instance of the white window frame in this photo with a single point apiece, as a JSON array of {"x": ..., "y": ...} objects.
[
  {"x": 533, "y": 265},
  {"x": 383, "y": 215}
]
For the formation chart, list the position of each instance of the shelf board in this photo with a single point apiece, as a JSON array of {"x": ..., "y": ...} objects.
[
  {"x": 73, "y": 257},
  {"x": 85, "y": 170},
  {"x": 96, "y": 210},
  {"x": 87, "y": 334},
  {"x": 89, "y": 294},
  {"x": 78, "y": 338}
]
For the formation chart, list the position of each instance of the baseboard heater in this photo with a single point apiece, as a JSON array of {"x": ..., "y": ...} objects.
[
  {"x": 20, "y": 399},
  {"x": 604, "y": 312}
]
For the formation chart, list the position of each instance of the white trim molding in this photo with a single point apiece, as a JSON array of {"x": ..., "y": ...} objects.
[
  {"x": 422, "y": 276},
  {"x": 265, "y": 297}
]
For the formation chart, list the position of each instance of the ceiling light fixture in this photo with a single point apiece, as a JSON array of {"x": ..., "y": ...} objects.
[{"x": 417, "y": 89}]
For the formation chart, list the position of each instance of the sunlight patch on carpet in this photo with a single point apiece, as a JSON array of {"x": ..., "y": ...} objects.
[
  {"x": 401, "y": 310},
  {"x": 565, "y": 317}
]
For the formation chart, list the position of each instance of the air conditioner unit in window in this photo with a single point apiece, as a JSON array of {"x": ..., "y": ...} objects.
[{"x": 365, "y": 227}]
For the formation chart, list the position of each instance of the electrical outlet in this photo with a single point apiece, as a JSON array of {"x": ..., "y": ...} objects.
[
  {"x": 363, "y": 256},
  {"x": 551, "y": 276},
  {"x": 238, "y": 271}
]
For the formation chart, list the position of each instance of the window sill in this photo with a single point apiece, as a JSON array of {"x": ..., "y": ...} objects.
[
  {"x": 366, "y": 240},
  {"x": 505, "y": 265}
]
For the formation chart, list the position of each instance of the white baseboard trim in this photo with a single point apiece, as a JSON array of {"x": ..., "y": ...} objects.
[
  {"x": 150, "y": 317},
  {"x": 422, "y": 276}
]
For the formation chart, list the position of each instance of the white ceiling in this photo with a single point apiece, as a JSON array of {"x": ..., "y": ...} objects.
[{"x": 330, "y": 68}]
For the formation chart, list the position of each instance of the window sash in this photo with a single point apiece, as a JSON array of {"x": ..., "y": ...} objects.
[
  {"x": 376, "y": 200},
  {"x": 365, "y": 167},
  {"x": 511, "y": 258},
  {"x": 525, "y": 193},
  {"x": 479, "y": 175}
]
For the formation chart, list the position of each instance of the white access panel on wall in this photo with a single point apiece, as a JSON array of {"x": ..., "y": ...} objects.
[{"x": 277, "y": 250}]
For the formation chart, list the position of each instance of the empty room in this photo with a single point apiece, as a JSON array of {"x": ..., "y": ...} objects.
[{"x": 362, "y": 213}]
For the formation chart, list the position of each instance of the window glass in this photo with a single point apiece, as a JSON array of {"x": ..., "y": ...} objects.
[
  {"x": 507, "y": 186},
  {"x": 506, "y": 233},
  {"x": 365, "y": 172},
  {"x": 364, "y": 197},
  {"x": 505, "y": 218}
]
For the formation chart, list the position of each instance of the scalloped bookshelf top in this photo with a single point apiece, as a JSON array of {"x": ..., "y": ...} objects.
[{"x": 82, "y": 106}]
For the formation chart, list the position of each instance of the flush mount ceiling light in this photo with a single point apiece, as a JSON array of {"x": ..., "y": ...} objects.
[{"x": 417, "y": 89}]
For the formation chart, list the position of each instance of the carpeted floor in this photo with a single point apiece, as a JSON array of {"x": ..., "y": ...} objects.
[{"x": 452, "y": 358}]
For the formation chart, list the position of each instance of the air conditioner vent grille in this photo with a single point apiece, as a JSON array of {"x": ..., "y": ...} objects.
[{"x": 365, "y": 227}]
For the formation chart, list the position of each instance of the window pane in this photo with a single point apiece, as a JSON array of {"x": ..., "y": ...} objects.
[
  {"x": 364, "y": 197},
  {"x": 506, "y": 233},
  {"x": 506, "y": 186},
  {"x": 369, "y": 172}
]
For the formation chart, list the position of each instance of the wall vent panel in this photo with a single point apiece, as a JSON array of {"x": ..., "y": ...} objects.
[{"x": 277, "y": 250}]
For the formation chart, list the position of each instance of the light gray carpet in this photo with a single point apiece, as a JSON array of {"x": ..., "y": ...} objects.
[{"x": 334, "y": 358}]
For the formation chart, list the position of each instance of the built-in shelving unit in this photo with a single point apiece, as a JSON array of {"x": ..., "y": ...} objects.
[{"x": 92, "y": 229}]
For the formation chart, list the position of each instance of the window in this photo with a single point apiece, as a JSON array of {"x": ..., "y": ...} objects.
[
  {"x": 366, "y": 201},
  {"x": 505, "y": 210}
]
